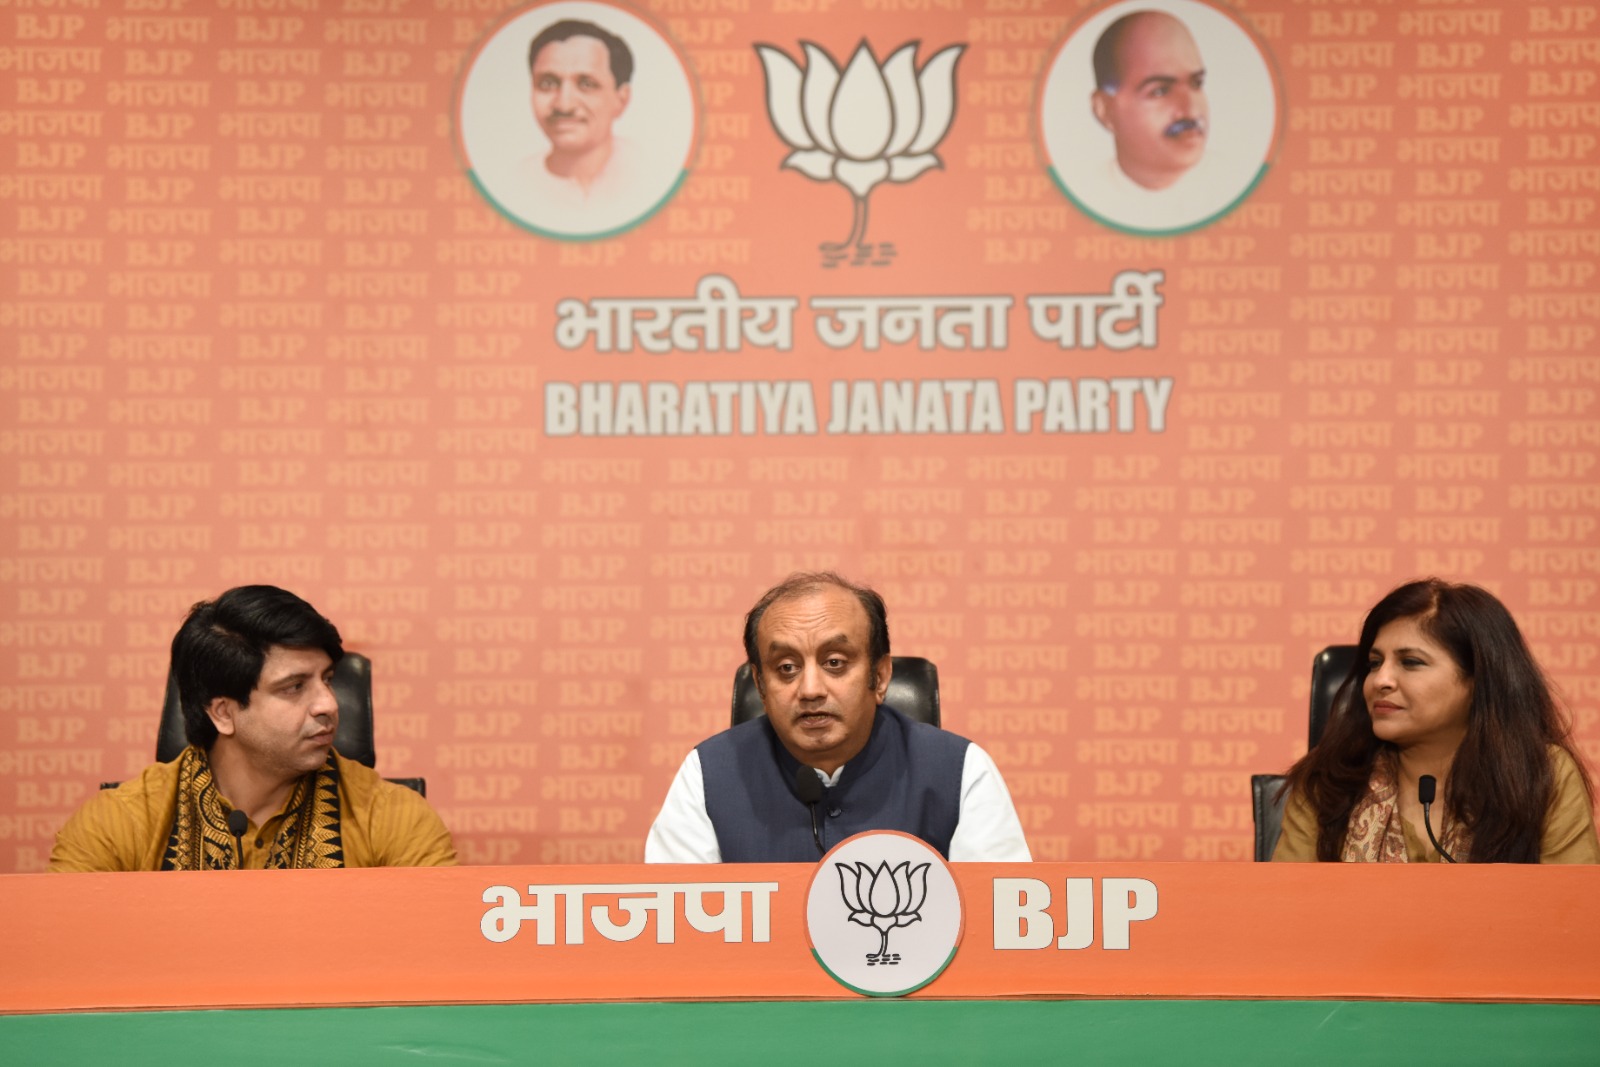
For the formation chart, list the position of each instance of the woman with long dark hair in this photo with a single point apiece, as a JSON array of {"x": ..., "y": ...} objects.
[{"x": 1444, "y": 686}]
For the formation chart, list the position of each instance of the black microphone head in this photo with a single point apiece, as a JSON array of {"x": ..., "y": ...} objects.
[
  {"x": 1425, "y": 788},
  {"x": 238, "y": 822},
  {"x": 807, "y": 786}
]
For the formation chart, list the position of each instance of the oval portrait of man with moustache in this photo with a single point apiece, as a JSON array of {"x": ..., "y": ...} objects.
[
  {"x": 576, "y": 120},
  {"x": 1157, "y": 117}
]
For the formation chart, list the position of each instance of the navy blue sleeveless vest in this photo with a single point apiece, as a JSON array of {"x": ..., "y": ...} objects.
[{"x": 907, "y": 778}]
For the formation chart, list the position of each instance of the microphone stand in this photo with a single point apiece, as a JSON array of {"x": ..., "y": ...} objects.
[
  {"x": 238, "y": 823},
  {"x": 1426, "y": 786},
  {"x": 808, "y": 787}
]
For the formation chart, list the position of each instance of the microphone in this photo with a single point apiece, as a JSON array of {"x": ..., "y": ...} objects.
[
  {"x": 1425, "y": 791},
  {"x": 808, "y": 787},
  {"x": 238, "y": 823}
]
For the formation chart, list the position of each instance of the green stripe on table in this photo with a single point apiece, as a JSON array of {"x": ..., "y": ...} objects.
[{"x": 888, "y": 1033}]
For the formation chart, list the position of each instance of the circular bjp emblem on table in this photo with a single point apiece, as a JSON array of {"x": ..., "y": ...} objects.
[{"x": 883, "y": 914}]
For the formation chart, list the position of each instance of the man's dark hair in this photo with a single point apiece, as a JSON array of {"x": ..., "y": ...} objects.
[
  {"x": 616, "y": 47},
  {"x": 1107, "y": 52},
  {"x": 221, "y": 647},
  {"x": 801, "y": 583}
]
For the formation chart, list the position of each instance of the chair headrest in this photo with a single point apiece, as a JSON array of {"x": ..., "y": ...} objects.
[{"x": 1328, "y": 671}]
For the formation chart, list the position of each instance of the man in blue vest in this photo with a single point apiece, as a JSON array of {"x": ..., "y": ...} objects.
[{"x": 818, "y": 646}]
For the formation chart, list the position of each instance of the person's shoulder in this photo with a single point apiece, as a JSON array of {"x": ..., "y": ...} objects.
[
  {"x": 1563, "y": 765},
  {"x": 116, "y": 829},
  {"x": 390, "y": 825},
  {"x": 741, "y": 733},
  {"x": 360, "y": 785},
  {"x": 155, "y": 780},
  {"x": 1560, "y": 759},
  {"x": 922, "y": 732}
]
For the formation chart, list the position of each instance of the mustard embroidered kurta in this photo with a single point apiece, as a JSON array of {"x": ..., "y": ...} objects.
[
  {"x": 127, "y": 828},
  {"x": 1569, "y": 833}
]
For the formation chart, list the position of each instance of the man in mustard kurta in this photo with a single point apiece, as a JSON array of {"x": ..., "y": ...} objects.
[{"x": 260, "y": 785}]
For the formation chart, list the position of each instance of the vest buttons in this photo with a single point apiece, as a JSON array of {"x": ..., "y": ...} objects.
[{"x": 834, "y": 813}]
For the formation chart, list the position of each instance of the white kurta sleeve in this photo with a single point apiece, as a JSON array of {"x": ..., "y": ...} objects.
[
  {"x": 988, "y": 830},
  {"x": 683, "y": 833}
]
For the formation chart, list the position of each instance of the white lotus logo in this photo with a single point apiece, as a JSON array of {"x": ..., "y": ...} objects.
[
  {"x": 868, "y": 125},
  {"x": 883, "y": 899}
]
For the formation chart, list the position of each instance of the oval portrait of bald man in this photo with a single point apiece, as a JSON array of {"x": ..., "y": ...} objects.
[
  {"x": 1157, "y": 117},
  {"x": 576, "y": 120}
]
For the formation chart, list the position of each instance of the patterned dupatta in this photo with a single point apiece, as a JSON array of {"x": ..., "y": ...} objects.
[
  {"x": 201, "y": 840},
  {"x": 1377, "y": 829}
]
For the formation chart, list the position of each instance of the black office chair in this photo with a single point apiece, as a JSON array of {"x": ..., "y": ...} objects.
[
  {"x": 913, "y": 691},
  {"x": 1266, "y": 811},
  {"x": 352, "y": 685},
  {"x": 1328, "y": 671}
]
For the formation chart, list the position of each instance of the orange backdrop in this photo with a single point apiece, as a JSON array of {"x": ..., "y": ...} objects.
[{"x": 258, "y": 325}]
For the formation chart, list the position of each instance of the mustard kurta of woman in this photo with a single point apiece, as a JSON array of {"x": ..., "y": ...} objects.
[
  {"x": 1569, "y": 833},
  {"x": 172, "y": 818}
]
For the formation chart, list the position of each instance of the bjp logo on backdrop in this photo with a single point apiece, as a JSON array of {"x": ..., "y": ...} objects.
[{"x": 869, "y": 124}]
